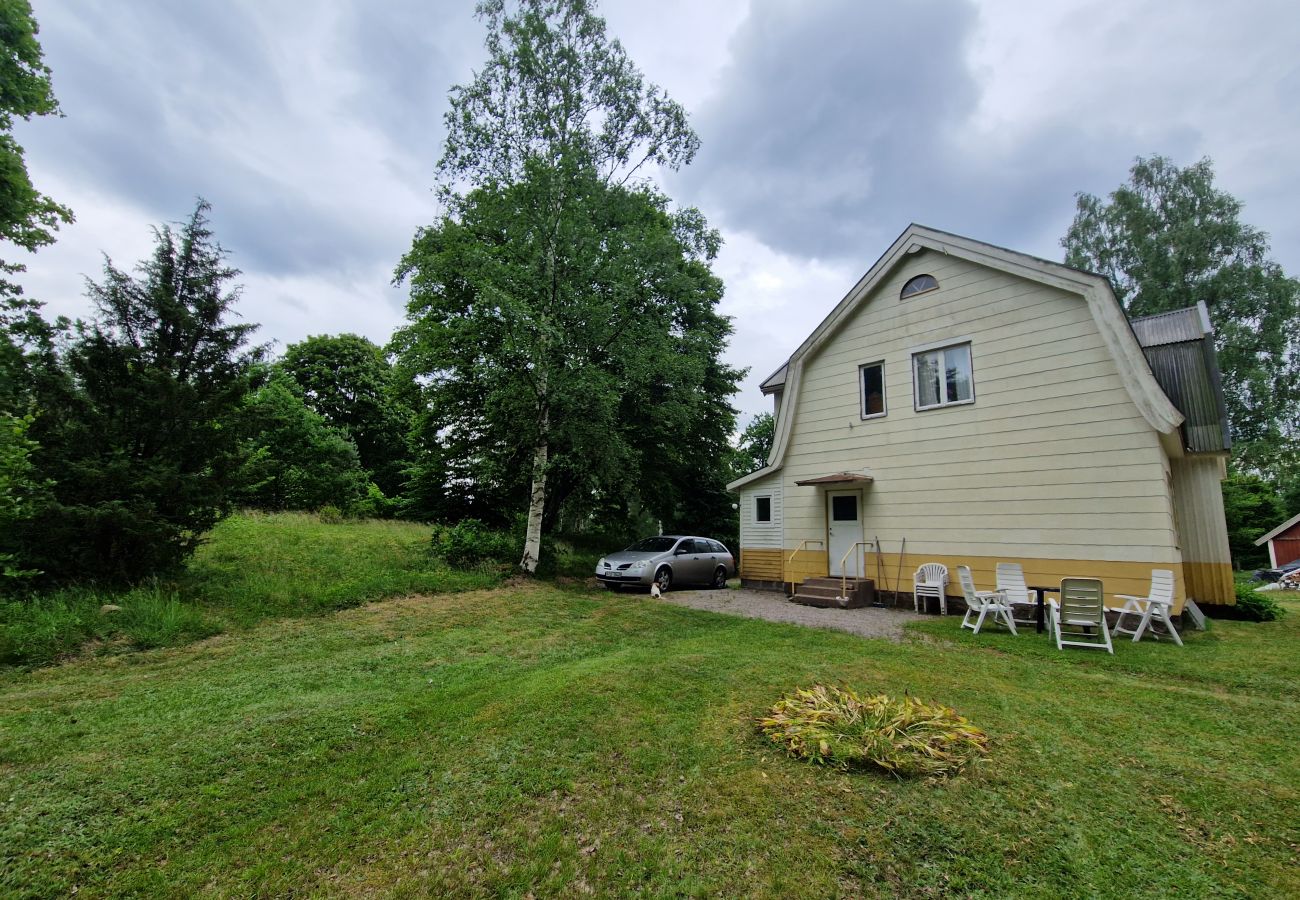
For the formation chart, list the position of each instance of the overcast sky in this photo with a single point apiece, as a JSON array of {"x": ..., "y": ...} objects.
[{"x": 827, "y": 127}]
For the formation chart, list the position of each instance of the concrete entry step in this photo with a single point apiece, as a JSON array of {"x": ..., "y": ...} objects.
[{"x": 826, "y": 593}]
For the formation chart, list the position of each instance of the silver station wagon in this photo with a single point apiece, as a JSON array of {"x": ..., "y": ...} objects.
[{"x": 666, "y": 560}]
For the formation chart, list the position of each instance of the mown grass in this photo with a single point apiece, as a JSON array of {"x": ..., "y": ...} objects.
[
  {"x": 531, "y": 739},
  {"x": 254, "y": 566}
]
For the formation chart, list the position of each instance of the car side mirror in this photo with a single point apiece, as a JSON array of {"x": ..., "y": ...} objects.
[{"x": 680, "y": 551}]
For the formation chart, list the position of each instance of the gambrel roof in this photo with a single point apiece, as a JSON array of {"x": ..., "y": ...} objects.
[{"x": 1113, "y": 326}]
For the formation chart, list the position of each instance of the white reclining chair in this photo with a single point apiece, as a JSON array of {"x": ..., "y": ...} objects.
[
  {"x": 981, "y": 603},
  {"x": 1011, "y": 581},
  {"x": 1079, "y": 620},
  {"x": 1155, "y": 605}
]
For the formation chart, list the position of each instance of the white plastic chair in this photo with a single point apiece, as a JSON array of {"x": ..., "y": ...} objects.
[
  {"x": 931, "y": 580},
  {"x": 981, "y": 603},
  {"x": 1079, "y": 620},
  {"x": 1156, "y": 605},
  {"x": 1011, "y": 581}
]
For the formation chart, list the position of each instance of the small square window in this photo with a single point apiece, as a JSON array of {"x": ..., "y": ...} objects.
[
  {"x": 872, "y": 388},
  {"x": 762, "y": 509},
  {"x": 944, "y": 377},
  {"x": 844, "y": 508}
]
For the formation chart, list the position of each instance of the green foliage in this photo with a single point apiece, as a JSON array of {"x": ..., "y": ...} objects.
[
  {"x": 471, "y": 543},
  {"x": 1252, "y": 508},
  {"x": 374, "y": 505},
  {"x": 137, "y": 431},
  {"x": 904, "y": 737},
  {"x": 754, "y": 446},
  {"x": 28, "y": 218},
  {"x": 563, "y": 320},
  {"x": 294, "y": 459},
  {"x": 347, "y": 381},
  {"x": 1253, "y": 606},
  {"x": 19, "y": 487},
  {"x": 1168, "y": 239}
]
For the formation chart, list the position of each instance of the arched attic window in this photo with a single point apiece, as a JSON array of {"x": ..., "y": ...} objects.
[{"x": 917, "y": 285}]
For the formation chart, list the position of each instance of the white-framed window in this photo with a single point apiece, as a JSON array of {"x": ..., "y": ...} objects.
[
  {"x": 871, "y": 388},
  {"x": 943, "y": 376},
  {"x": 762, "y": 509}
]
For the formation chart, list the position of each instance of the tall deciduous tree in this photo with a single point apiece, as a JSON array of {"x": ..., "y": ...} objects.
[
  {"x": 295, "y": 459},
  {"x": 347, "y": 381},
  {"x": 558, "y": 286},
  {"x": 139, "y": 435},
  {"x": 28, "y": 218},
  {"x": 1169, "y": 238}
]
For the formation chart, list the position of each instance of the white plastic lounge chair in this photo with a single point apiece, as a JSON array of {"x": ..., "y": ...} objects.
[
  {"x": 931, "y": 580},
  {"x": 1155, "y": 605},
  {"x": 981, "y": 603},
  {"x": 1011, "y": 581},
  {"x": 1079, "y": 620}
]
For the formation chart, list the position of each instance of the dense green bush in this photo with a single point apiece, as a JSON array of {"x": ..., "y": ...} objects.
[
  {"x": 374, "y": 505},
  {"x": 1254, "y": 606},
  {"x": 903, "y": 737},
  {"x": 470, "y": 542}
]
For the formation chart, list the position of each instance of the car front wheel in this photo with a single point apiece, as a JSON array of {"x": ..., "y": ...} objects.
[
  {"x": 719, "y": 578},
  {"x": 664, "y": 578}
]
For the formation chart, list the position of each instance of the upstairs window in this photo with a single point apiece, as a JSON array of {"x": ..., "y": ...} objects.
[
  {"x": 872, "y": 387},
  {"x": 918, "y": 285},
  {"x": 762, "y": 509},
  {"x": 943, "y": 377}
]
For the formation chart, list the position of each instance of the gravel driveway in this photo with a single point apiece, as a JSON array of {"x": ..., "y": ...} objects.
[{"x": 772, "y": 605}]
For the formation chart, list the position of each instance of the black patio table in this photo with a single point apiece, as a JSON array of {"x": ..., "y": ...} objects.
[{"x": 1039, "y": 625}]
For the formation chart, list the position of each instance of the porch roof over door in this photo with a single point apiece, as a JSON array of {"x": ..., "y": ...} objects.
[{"x": 837, "y": 478}]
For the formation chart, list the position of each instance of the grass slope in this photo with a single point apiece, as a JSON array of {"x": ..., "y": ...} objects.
[
  {"x": 531, "y": 739},
  {"x": 254, "y": 566}
]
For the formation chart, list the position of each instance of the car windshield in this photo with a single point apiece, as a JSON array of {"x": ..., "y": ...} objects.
[{"x": 652, "y": 545}]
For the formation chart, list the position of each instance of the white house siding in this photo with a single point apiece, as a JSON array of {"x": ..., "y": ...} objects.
[
  {"x": 1052, "y": 462},
  {"x": 761, "y": 543},
  {"x": 761, "y": 535}
]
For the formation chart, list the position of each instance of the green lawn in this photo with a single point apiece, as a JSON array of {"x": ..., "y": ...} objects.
[{"x": 534, "y": 739}]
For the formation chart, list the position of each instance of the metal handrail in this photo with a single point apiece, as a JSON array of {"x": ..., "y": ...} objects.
[
  {"x": 803, "y": 545},
  {"x": 844, "y": 580}
]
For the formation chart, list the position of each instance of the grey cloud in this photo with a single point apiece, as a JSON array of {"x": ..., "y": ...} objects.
[
  {"x": 837, "y": 124},
  {"x": 155, "y": 95}
]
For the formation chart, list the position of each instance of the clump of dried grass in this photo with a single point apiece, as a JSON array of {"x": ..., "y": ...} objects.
[{"x": 906, "y": 736}]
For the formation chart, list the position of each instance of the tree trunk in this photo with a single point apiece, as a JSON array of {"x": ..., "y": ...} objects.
[{"x": 536, "y": 501}]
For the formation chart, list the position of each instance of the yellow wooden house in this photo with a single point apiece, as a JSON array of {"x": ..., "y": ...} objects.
[{"x": 989, "y": 406}]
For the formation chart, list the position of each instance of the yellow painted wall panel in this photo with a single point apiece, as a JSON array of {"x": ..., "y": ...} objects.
[{"x": 1118, "y": 577}]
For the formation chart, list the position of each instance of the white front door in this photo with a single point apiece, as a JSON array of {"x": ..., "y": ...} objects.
[{"x": 843, "y": 530}]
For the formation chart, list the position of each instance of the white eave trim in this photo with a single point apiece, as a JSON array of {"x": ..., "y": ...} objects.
[
  {"x": 1155, "y": 407},
  {"x": 752, "y": 476}
]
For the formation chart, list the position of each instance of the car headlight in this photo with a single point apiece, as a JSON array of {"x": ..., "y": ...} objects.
[
  {"x": 637, "y": 566},
  {"x": 601, "y": 564}
]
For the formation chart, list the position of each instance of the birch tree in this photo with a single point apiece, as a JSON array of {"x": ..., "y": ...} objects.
[{"x": 557, "y": 279}]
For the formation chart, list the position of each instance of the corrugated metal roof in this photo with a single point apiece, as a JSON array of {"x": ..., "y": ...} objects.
[
  {"x": 1172, "y": 327},
  {"x": 1179, "y": 347}
]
